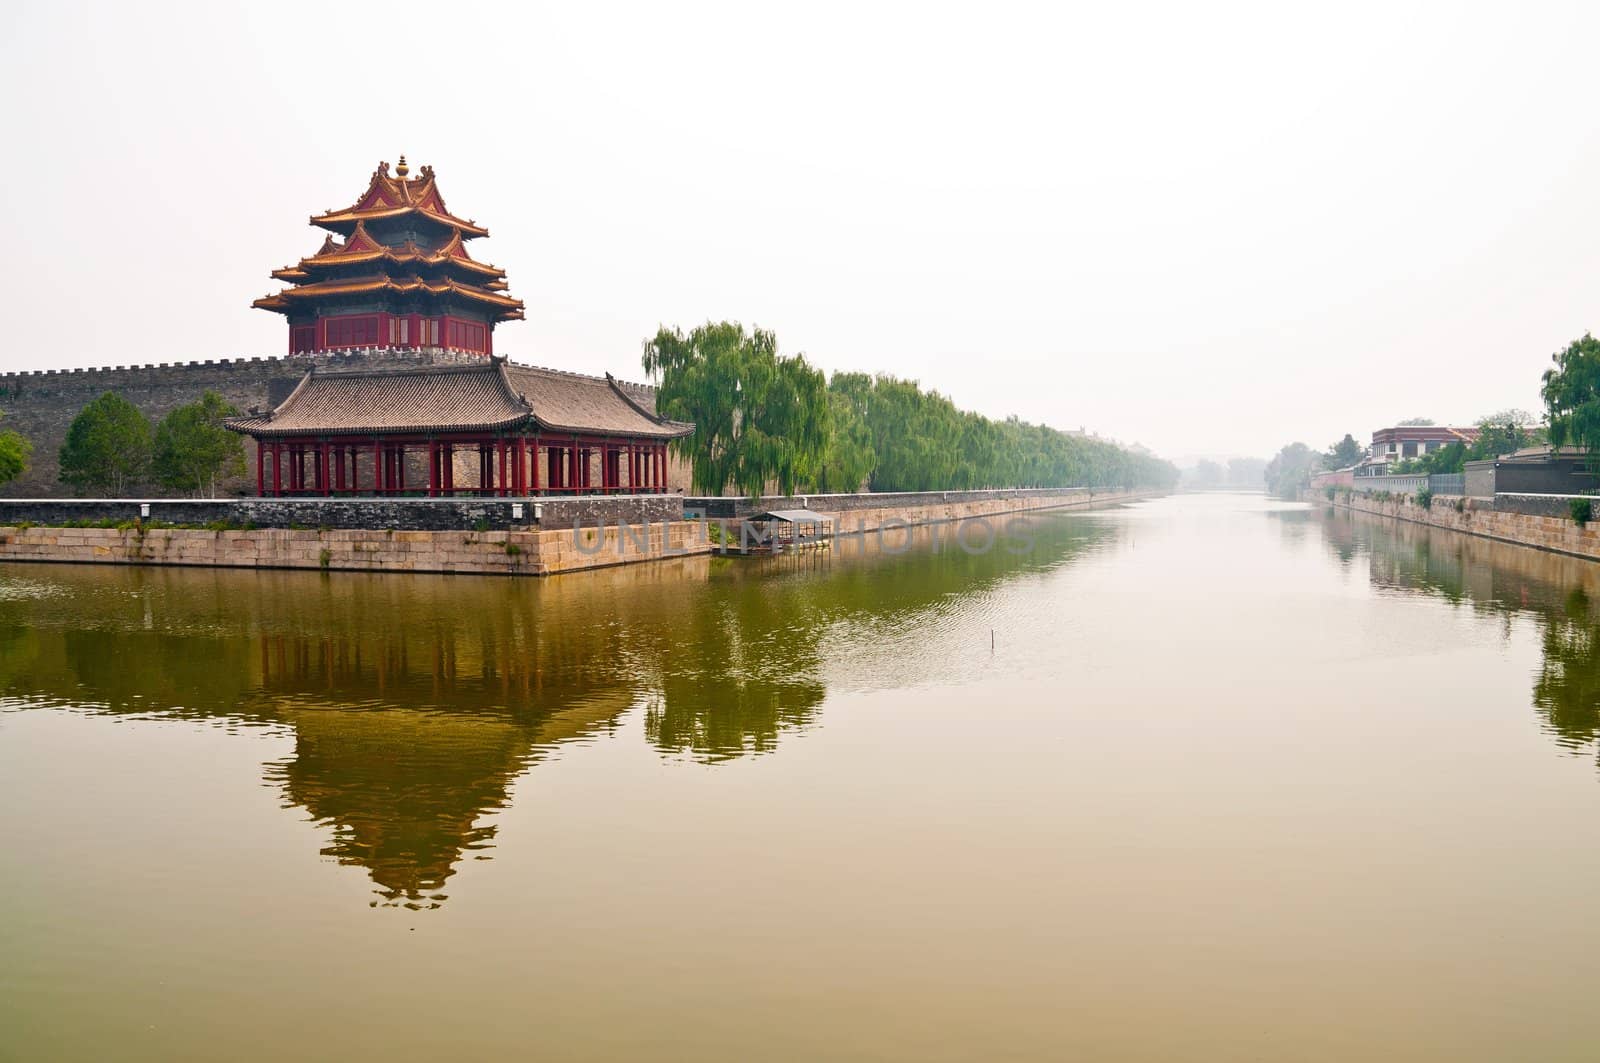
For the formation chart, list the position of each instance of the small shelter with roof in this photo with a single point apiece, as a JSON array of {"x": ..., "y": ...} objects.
[
  {"x": 499, "y": 428},
  {"x": 779, "y": 529}
]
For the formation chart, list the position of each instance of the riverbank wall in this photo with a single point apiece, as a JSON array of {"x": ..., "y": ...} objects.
[
  {"x": 479, "y": 513},
  {"x": 537, "y": 552},
  {"x": 484, "y": 536},
  {"x": 852, "y": 514},
  {"x": 1520, "y": 519}
]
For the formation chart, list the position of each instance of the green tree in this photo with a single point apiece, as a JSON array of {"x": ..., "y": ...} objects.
[
  {"x": 759, "y": 416},
  {"x": 15, "y": 450},
  {"x": 107, "y": 447},
  {"x": 193, "y": 449},
  {"x": 1447, "y": 459},
  {"x": 1289, "y": 472},
  {"x": 1571, "y": 394},
  {"x": 1504, "y": 433},
  {"x": 1343, "y": 454},
  {"x": 848, "y": 458}
]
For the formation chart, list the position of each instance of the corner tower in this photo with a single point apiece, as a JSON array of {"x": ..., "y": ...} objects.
[{"x": 394, "y": 272}]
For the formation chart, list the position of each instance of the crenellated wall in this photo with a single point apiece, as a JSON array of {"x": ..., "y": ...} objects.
[{"x": 41, "y": 404}]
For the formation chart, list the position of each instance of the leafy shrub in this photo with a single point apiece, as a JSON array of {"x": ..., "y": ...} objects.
[
  {"x": 1425, "y": 498},
  {"x": 1330, "y": 491},
  {"x": 1582, "y": 510}
]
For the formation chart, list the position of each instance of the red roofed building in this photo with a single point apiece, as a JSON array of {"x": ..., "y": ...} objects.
[
  {"x": 394, "y": 271},
  {"x": 1390, "y": 446},
  {"x": 531, "y": 432},
  {"x": 394, "y": 284}
]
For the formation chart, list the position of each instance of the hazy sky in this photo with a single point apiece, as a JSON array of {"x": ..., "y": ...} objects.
[{"x": 1210, "y": 229}]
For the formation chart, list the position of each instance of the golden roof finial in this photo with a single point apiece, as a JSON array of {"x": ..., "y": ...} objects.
[{"x": 402, "y": 169}]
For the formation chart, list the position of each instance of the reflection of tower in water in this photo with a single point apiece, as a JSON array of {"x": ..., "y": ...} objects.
[
  {"x": 403, "y": 754},
  {"x": 414, "y": 702}
]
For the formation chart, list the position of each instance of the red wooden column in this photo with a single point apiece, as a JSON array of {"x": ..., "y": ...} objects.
[
  {"x": 261, "y": 469},
  {"x": 323, "y": 470},
  {"x": 500, "y": 446},
  {"x": 277, "y": 469},
  {"x": 450, "y": 468},
  {"x": 661, "y": 467},
  {"x": 400, "y": 468},
  {"x": 519, "y": 458},
  {"x": 572, "y": 466},
  {"x": 533, "y": 467},
  {"x": 377, "y": 467},
  {"x": 433, "y": 468}
]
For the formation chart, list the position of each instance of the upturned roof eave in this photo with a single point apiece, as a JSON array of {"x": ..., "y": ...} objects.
[{"x": 260, "y": 426}]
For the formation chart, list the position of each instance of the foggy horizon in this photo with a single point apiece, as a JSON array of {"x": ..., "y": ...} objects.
[{"x": 1211, "y": 233}]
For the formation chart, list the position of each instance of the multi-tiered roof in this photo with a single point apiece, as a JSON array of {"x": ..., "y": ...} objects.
[{"x": 394, "y": 271}]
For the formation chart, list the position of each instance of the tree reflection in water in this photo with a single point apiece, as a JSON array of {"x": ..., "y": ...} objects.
[
  {"x": 414, "y": 701},
  {"x": 1556, "y": 592}
]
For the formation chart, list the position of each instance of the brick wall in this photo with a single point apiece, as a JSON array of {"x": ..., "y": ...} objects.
[
  {"x": 42, "y": 404},
  {"x": 506, "y": 553},
  {"x": 1479, "y": 516}
]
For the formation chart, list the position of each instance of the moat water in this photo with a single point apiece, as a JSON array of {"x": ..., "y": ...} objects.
[{"x": 1203, "y": 778}]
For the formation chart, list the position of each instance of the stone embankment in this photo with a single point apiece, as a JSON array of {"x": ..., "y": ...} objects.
[
  {"x": 872, "y": 512},
  {"x": 505, "y": 553},
  {"x": 1479, "y": 516},
  {"x": 484, "y": 536}
]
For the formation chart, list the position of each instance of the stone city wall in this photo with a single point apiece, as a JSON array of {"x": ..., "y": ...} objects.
[
  {"x": 501, "y": 553},
  {"x": 1479, "y": 516},
  {"x": 41, "y": 404}
]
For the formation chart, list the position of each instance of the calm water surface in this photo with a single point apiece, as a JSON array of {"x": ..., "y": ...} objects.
[{"x": 1202, "y": 778}]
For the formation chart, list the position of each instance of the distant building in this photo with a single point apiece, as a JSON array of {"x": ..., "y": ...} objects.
[{"x": 1407, "y": 443}]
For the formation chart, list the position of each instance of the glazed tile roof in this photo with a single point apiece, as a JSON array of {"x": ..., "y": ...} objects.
[
  {"x": 393, "y": 197},
  {"x": 580, "y": 403},
  {"x": 488, "y": 396}
]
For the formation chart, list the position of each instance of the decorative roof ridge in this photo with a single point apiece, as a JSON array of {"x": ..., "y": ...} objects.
[
  {"x": 552, "y": 371},
  {"x": 401, "y": 189},
  {"x": 617, "y": 387},
  {"x": 480, "y": 365}
]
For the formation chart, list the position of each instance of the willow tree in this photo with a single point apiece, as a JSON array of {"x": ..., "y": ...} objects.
[
  {"x": 847, "y": 461},
  {"x": 1572, "y": 395},
  {"x": 760, "y": 417}
]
